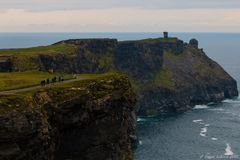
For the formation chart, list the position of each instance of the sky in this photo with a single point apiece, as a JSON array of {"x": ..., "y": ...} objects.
[{"x": 119, "y": 15}]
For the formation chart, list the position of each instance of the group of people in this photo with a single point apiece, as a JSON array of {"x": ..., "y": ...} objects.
[{"x": 52, "y": 81}]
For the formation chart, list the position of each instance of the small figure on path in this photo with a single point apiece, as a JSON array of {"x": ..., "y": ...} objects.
[
  {"x": 48, "y": 81},
  {"x": 54, "y": 79},
  {"x": 43, "y": 83},
  {"x": 59, "y": 79},
  {"x": 75, "y": 76}
]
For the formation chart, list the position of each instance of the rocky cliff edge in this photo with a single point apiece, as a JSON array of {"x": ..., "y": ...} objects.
[{"x": 90, "y": 119}]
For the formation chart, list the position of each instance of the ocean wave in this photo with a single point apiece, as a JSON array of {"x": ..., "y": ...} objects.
[
  {"x": 203, "y": 132},
  {"x": 216, "y": 109},
  {"x": 197, "y": 120},
  {"x": 211, "y": 103},
  {"x": 236, "y": 100},
  {"x": 200, "y": 107},
  {"x": 214, "y": 139},
  {"x": 228, "y": 150},
  {"x": 141, "y": 120}
]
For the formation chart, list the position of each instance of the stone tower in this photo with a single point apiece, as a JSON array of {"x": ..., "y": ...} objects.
[
  {"x": 194, "y": 43},
  {"x": 165, "y": 34}
]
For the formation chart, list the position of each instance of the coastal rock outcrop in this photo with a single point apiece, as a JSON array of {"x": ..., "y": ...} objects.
[
  {"x": 183, "y": 81},
  {"x": 90, "y": 119},
  {"x": 172, "y": 76}
]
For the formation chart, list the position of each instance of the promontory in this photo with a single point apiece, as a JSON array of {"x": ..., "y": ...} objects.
[{"x": 91, "y": 91}]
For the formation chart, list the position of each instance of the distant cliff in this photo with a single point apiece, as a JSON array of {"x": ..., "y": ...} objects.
[
  {"x": 169, "y": 75},
  {"x": 172, "y": 76},
  {"x": 91, "y": 119}
]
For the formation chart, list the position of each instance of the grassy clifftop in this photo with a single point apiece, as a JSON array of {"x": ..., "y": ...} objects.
[
  {"x": 158, "y": 68},
  {"x": 17, "y": 80},
  {"x": 161, "y": 62},
  {"x": 49, "y": 50},
  {"x": 98, "y": 85},
  {"x": 85, "y": 56},
  {"x": 164, "y": 62}
]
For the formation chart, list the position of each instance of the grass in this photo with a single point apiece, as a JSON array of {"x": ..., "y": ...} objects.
[
  {"x": 25, "y": 59},
  {"x": 17, "y": 80},
  {"x": 104, "y": 84},
  {"x": 92, "y": 77},
  {"x": 101, "y": 82},
  {"x": 164, "y": 79},
  {"x": 106, "y": 61},
  {"x": 162, "y": 40},
  {"x": 51, "y": 49},
  {"x": 88, "y": 79},
  {"x": 155, "y": 40},
  {"x": 168, "y": 55}
]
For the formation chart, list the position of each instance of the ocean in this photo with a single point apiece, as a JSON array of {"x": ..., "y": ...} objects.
[{"x": 207, "y": 132}]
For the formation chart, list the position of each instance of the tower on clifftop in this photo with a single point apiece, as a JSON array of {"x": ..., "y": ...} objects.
[
  {"x": 194, "y": 43},
  {"x": 165, "y": 34}
]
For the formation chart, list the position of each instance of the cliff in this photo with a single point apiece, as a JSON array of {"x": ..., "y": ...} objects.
[
  {"x": 170, "y": 75},
  {"x": 89, "y": 119}
]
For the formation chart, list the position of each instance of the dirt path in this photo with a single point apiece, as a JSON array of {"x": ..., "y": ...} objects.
[{"x": 38, "y": 87}]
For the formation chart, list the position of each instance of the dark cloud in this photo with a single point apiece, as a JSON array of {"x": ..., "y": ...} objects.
[{"x": 39, "y": 5}]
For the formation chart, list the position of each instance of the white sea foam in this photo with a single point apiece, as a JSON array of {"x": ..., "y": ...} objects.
[
  {"x": 203, "y": 132},
  {"x": 214, "y": 139},
  {"x": 140, "y": 143},
  {"x": 234, "y": 114},
  {"x": 216, "y": 109},
  {"x": 237, "y": 100},
  {"x": 211, "y": 103},
  {"x": 200, "y": 107},
  {"x": 228, "y": 112},
  {"x": 197, "y": 120},
  {"x": 141, "y": 119},
  {"x": 230, "y": 101},
  {"x": 228, "y": 150},
  {"x": 207, "y": 125}
]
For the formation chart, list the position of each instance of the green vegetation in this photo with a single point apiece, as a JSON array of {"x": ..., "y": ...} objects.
[
  {"x": 99, "y": 59},
  {"x": 17, "y": 80},
  {"x": 162, "y": 40},
  {"x": 16, "y": 103},
  {"x": 102, "y": 86},
  {"x": 93, "y": 86},
  {"x": 199, "y": 63},
  {"x": 168, "y": 55},
  {"x": 105, "y": 61},
  {"x": 87, "y": 78},
  {"x": 24, "y": 63},
  {"x": 164, "y": 79},
  {"x": 49, "y": 50}
]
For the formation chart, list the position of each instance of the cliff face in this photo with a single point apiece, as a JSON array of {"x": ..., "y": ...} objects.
[
  {"x": 79, "y": 56},
  {"x": 185, "y": 80},
  {"x": 89, "y": 120},
  {"x": 169, "y": 75}
]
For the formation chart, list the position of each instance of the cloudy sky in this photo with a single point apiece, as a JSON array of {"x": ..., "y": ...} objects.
[{"x": 119, "y": 15}]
